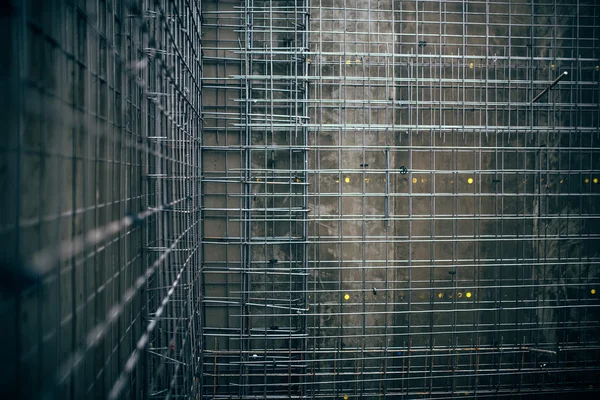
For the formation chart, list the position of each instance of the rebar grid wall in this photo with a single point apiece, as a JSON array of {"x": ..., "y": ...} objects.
[
  {"x": 100, "y": 221},
  {"x": 373, "y": 206},
  {"x": 255, "y": 199},
  {"x": 453, "y": 224}
]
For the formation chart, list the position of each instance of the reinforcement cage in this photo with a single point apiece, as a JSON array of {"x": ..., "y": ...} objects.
[
  {"x": 288, "y": 199},
  {"x": 101, "y": 198}
]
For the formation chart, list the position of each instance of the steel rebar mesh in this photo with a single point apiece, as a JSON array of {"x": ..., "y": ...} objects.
[
  {"x": 101, "y": 203},
  {"x": 255, "y": 189},
  {"x": 285, "y": 199},
  {"x": 453, "y": 225}
]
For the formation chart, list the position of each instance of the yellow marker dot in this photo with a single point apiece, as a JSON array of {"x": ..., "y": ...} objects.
[
  {"x": 595, "y": 180},
  {"x": 469, "y": 295},
  {"x": 597, "y": 67},
  {"x": 561, "y": 181},
  {"x": 471, "y": 65},
  {"x": 470, "y": 180},
  {"x": 308, "y": 60},
  {"x": 459, "y": 295},
  {"x": 358, "y": 60},
  {"x": 593, "y": 291},
  {"x": 587, "y": 180},
  {"x": 423, "y": 180},
  {"x": 553, "y": 66},
  {"x": 415, "y": 180},
  {"x": 367, "y": 180},
  {"x": 348, "y": 62},
  {"x": 346, "y": 296},
  {"x": 441, "y": 295},
  {"x": 345, "y": 397},
  {"x": 337, "y": 181},
  {"x": 347, "y": 180}
]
